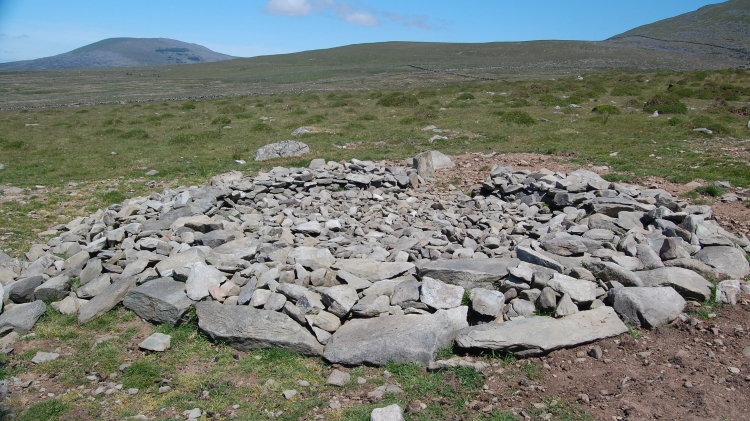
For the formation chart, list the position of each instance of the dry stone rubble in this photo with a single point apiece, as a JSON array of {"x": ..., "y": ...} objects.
[{"x": 363, "y": 264}]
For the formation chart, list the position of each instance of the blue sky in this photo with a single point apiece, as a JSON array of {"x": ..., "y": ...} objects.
[{"x": 38, "y": 28}]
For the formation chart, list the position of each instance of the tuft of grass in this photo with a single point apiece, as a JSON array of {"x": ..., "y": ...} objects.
[
  {"x": 261, "y": 128},
  {"x": 633, "y": 331},
  {"x": 398, "y": 99},
  {"x": 188, "y": 106},
  {"x": 314, "y": 119},
  {"x": 141, "y": 374},
  {"x": 465, "y": 96},
  {"x": 665, "y": 103},
  {"x": 223, "y": 120},
  {"x": 184, "y": 138},
  {"x": 518, "y": 117},
  {"x": 710, "y": 190},
  {"x": 135, "y": 134},
  {"x": 49, "y": 410}
]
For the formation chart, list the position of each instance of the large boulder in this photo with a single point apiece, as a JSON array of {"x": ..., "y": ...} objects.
[
  {"x": 647, "y": 306},
  {"x": 246, "y": 328},
  {"x": 403, "y": 339},
  {"x": 539, "y": 335},
  {"x": 726, "y": 260},
  {"x": 159, "y": 301},
  {"x": 21, "y": 317},
  {"x": 688, "y": 283},
  {"x": 468, "y": 273},
  {"x": 283, "y": 149}
]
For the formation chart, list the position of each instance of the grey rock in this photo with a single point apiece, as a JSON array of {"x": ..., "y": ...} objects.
[
  {"x": 281, "y": 149},
  {"x": 260, "y": 298},
  {"x": 326, "y": 321},
  {"x": 372, "y": 270},
  {"x": 275, "y": 302},
  {"x": 339, "y": 299},
  {"x": 338, "y": 378},
  {"x": 159, "y": 301},
  {"x": 94, "y": 287},
  {"x": 688, "y": 283},
  {"x": 547, "y": 300},
  {"x": 539, "y": 335},
  {"x": 648, "y": 256},
  {"x": 424, "y": 165},
  {"x": 157, "y": 342},
  {"x": 530, "y": 256},
  {"x": 440, "y": 295},
  {"x": 578, "y": 290},
  {"x": 21, "y": 318},
  {"x": 565, "y": 307},
  {"x": 181, "y": 260},
  {"x": 43, "y": 357},
  {"x": 388, "y": 413},
  {"x": 312, "y": 258},
  {"x": 729, "y": 261},
  {"x": 246, "y": 328},
  {"x": 371, "y": 306},
  {"x": 410, "y": 338},
  {"x": 672, "y": 249},
  {"x": 608, "y": 272},
  {"x": 22, "y": 290},
  {"x": 353, "y": 281},
  {"x": 202, "y": 277},
  {"x": 92, "y": 270},
  {"x": 468, "y": 273},
  {"x": 563, "y": 244},
  {"x": 215, "y": 238},
  {"x": 647, "y": 306},
  {"x": 521, "y": 308},
  {"x": 487, "y": 302},
  {"x": 404, "y": 292},
  {"x": 310, "y": 227},
  {"x": 728, "y": 292},
  {"x": 105, "y": 300}
]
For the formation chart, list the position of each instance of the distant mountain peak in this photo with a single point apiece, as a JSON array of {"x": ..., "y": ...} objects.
[{"x": 123, "y": 52}]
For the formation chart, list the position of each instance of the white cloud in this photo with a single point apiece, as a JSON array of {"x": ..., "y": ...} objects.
[
  {"x": 339, "y": 9},
  {"x": 289, "y": 7},
  {"x": 360, "y": 18}
]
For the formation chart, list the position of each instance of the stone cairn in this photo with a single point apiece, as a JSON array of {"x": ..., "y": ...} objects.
[{"x": 353, "y": 261}]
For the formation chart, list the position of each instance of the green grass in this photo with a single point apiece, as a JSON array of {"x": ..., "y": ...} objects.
[
  {"x": 46, "y": 411},
  {"x": 141, "y": 375},
  {"x": 710, "y": 190}
]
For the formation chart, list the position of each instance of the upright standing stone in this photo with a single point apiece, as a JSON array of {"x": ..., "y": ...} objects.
[{"x": 424, "y": 165}]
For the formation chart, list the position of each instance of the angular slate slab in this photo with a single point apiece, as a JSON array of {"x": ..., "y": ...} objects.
[
  {"x": 162, "y": 300},
  {"x": 468, "y": 273},
  {"x": 21, "y": 317},
  {"x": 688, "y": 283},
  {"x": 246, "y": 328},
  {"x": 647, "y": 306},
  {"x": 373, "y": 270},
  {"x": 539, "y": 335},
  {"x": 411, "y": 338},
  {"x": 105, "y": 300}
]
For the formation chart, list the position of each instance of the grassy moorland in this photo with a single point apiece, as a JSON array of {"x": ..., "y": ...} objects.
[{"x": 74, "y": 160}]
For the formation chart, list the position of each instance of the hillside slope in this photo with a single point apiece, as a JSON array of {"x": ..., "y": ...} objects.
[
  {"x": 720, "y": 29},
  {"x": 123, "y": 52}
]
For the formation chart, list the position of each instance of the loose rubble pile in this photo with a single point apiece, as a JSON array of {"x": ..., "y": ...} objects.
[{"x": 356, "y": 262}]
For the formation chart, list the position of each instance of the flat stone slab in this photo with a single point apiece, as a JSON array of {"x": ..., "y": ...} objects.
[
  {"x": 158, "y": 342},
  {"x": 159, "y": 301},
  {"x": 281, "y": 150},
  {"x": 403, "y": 339},
  {"x": 647, "y": 306},
  {"x": 106, "y": 300},
  {"x": 372, "y": 270},
  {"x": 22, "y": 317},
  {"x": 539, "y": 335},
  {"x": 688, "y": 283},
  {"x": 730, "y": 261},
  {"x": 245, "y": 328},
  {"x": 43, "y": 357},
  {"x": 468, "y": 273}
]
